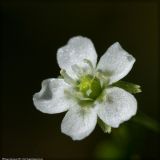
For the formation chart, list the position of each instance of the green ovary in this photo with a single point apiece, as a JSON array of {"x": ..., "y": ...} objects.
[{"x": 90, "y": 86}]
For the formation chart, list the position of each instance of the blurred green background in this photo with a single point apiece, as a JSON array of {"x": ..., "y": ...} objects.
[{"x": 31, "y": 34}]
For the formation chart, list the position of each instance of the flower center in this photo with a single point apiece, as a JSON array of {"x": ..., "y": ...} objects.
[{"x": 90, "y": 86}]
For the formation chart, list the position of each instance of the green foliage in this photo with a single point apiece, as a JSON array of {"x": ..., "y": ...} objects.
[
  {"x": 147, "y": 122},
  {"x": 115, "y": 146}
]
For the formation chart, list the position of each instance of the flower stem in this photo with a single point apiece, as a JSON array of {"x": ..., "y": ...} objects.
[{"x": 147, "y": 122}]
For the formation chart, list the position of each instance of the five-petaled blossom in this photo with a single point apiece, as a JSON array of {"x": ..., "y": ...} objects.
[{"x": 87, "y": 90}]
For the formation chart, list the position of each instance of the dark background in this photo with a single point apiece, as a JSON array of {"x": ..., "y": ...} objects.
[{"x": 31, "y": 34}]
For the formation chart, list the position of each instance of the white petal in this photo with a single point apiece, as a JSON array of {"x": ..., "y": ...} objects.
[
  {"x": 77, "y": 49},
  {"x": 116, "y": 62},
  {"x": 78, "y": 123},
  {"x": 120, "y": 106},
  {"x": 51, "y": 98}
]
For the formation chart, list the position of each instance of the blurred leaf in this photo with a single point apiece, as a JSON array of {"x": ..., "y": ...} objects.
[
  {"x": 121, "y": 135},
  {"x": 109, "y": 150},
  {"x": 116, "y": 147},
  {"x": 147, "y": 122}
]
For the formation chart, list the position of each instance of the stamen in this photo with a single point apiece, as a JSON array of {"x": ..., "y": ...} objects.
[
  {"x": 67, "y": 78},
  {"x": 77, "y": 70},
  {"x": 103, "y": 97},
  {"x": 90, "y": 65},
  {"x": 77, "y": 95},
  {"x": 104, "y": 80}
]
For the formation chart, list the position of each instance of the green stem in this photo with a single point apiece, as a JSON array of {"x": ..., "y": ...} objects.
[{"x": 147, "y": 122}]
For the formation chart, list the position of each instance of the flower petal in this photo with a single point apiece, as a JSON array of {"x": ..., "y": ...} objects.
[
  {"x": 51, "y": 98},
  {"x": 116, "y": 62},
  {"x": 78, "y": 122},
  {"x": 77, "y": 49},
  {"x": 119, "y": 107}
]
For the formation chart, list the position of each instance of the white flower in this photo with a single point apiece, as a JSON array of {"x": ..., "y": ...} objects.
[{"x": 86, "y": 89}]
